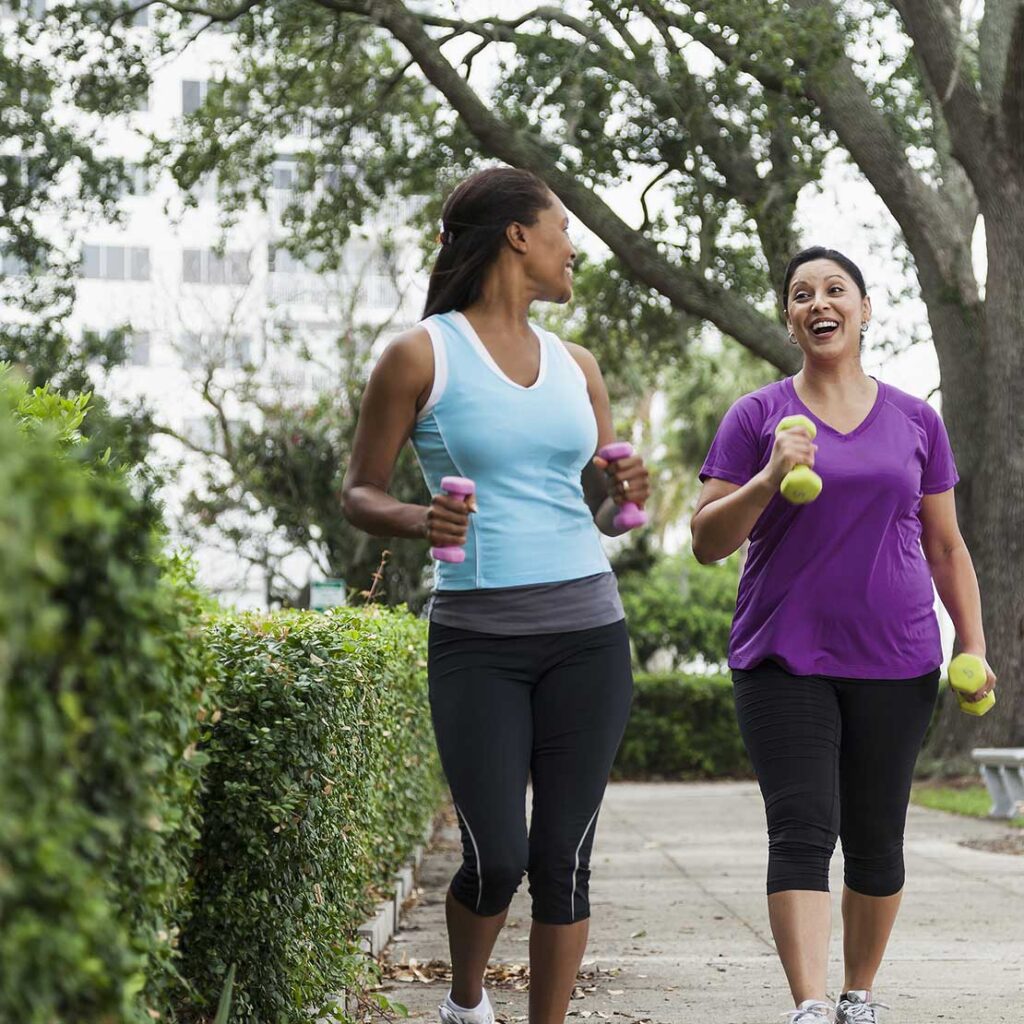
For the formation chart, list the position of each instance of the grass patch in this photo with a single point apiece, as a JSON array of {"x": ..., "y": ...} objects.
[{"x": 972, "y": 801}]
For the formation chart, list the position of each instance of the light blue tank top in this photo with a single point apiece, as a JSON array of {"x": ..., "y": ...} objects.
[{"x": 525, "y": 447}]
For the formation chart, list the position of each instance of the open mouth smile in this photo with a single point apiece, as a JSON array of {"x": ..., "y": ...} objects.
[{"x": 824, "y": 328}]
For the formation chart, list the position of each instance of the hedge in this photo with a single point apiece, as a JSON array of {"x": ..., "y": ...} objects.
[
  {"x": 321, "y": 777},
  {"x": 682, "y": 727},
  {"x": 100, "y": 683},
  {"x": 181, "y": 790}
]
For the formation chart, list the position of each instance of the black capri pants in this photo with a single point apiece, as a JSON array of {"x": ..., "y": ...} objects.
[
  {"x": 833, "y": 756},
  {"x": 549, "y": 708}
]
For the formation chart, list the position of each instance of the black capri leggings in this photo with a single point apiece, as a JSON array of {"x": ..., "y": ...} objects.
[
  {"x": 833, "y": 756},
  {"x": 548, "y": 707}
]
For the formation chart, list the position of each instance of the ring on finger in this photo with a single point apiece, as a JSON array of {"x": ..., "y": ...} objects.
[{"x": 625, "y": 486}]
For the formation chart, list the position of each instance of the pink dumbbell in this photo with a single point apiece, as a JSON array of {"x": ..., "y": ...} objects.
[
  {"x": 629, "y": 516},
  {"x": 457, "y": 487}
]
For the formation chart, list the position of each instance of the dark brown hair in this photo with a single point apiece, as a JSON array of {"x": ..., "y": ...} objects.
[
  {"x": 819, "y": 252},
  {"x": 473, "y": 223}
]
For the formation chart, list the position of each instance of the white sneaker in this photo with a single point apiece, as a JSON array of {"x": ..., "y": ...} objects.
[
  {"x": 452, "y": 1013},
  {"x": 856, "y": 1007},
  {"x": 810, "y": 1011}
]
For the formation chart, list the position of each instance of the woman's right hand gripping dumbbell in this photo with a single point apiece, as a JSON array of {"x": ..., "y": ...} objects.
[
  {"x": 447, "y": 522},
  {"x": 794, "y": 446}
]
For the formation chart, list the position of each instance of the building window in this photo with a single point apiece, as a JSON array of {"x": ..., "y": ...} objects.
[
  {"x": 285, "y": 175},
  {"x": 204, "y": 266},
  {"x": 213, "y": 350},
  {"x": 13, "y": 266},
  {"x": 115, "y": 262},
  {"x": 281, "y": 261},
  {"x": 192, "y": 95},
  {"x": 137, "y": 345},
  {"x": 137, "y": 180}
]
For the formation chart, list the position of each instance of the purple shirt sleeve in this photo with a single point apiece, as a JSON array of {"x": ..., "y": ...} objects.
[
  {"x": 735, "y": 453},
  {"x": 939, "y": 469}
]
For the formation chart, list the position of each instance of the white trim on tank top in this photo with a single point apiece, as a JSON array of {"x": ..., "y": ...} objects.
[
  {"x": 488, "y": 359},
  {"x": 564, "y": 349},
  {"x": 440, "y": 368}
]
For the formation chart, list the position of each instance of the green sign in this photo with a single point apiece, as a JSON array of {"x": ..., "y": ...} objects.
[{"x": 326, "y": 594}]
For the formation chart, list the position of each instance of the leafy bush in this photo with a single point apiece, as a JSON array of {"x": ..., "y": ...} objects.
[
  {"x": 682, "y": 727},
  {"x": 677, "y": 607},
  {"x": 102, "y": 683},
  {"x": 321, "y": 777}
]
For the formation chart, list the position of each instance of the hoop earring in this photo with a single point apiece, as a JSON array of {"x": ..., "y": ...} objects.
[
  {"x": 864, "y": 328},
  {"x": 792, "y": 339}
]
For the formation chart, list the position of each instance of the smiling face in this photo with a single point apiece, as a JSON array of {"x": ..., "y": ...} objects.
[
  {"x": 825, "y": 309},
  {"x": 548, "y": 253}
]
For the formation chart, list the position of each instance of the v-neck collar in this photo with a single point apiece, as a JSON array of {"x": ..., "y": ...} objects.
[
  {"x": 470, "y": 331},
  {"x": 821, "y": 424}
]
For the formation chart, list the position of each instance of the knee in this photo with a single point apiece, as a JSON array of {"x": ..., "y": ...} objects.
[
  {"x": 878, "y": 871},
  {"x": 799, "y": 857},
  {"x": 560, "y": 890},
  {"x": 487, "y": 888}
]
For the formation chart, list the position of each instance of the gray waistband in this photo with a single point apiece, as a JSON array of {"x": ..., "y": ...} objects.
[{"x": 542, "y": 608}]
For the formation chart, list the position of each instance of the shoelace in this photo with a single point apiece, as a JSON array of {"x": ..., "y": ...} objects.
[
  {"x": 860, "y": 1013},
  {"x": 810, "y": 1014}
]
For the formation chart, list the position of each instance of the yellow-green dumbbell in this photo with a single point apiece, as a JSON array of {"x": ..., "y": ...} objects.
[
  {"x": 801, "y": 484},
  {"x": 967, "y": 675}
]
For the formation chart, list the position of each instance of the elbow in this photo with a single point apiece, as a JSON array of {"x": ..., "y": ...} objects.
[
  {"x": 702, "y": 555},
  {"x": 698, "y": 545},
  {"x": 346, "y": 503},
  {"x": 350, "y": 504},
  {"x": 942, "y": 552}
]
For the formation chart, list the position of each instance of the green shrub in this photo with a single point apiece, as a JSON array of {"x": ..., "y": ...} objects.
[
  {"x": 676, "y": 607},
  {"x": 102, "y": 681},
  {"x": 682, "y": 727},
  {"x": 321, "y": 777}
]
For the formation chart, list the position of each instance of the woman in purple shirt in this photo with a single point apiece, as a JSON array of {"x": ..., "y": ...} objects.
[{"x": 835, "y": 646}]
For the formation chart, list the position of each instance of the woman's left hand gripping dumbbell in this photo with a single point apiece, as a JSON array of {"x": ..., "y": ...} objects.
[
  {"x": 629, "y": 482},
  {"x": 447, "y": 518}
]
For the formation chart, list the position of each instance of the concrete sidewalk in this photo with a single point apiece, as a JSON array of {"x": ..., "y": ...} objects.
[{"x": 679, "y": 933}]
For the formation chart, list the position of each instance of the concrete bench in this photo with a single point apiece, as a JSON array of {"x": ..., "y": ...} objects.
[{"x": 1003, "y": 772}]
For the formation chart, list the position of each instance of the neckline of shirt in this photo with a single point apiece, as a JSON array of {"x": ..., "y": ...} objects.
[
  {"x": 819, "y": 422},
  {"x": 481, "y": 349}
]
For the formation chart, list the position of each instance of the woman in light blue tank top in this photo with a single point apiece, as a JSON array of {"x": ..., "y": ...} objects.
[{"x": 529, "y": 661}]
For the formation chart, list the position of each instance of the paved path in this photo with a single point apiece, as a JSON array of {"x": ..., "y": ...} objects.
[{"x": 680, "y": 934}]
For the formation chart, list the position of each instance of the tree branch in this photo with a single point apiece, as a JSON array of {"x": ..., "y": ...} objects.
[
  {"x": 687, "y": 289},
  {"x": 932, "y": 226},
  {"x": 994, "y": 34},
  {"x": 1013, "y": 91},
  {"x": 199, "y": 11},
  {"x": 935, "y": 32}
]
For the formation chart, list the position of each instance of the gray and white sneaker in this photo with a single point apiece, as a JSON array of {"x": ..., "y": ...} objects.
[
  {"x": 452, "y": 1013},
  {"x": 810, "y": 1011},
  {"x": 856, "y": 1007}
]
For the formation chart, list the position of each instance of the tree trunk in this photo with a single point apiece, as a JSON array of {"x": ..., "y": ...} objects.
[{"x": 988, "y": 434}]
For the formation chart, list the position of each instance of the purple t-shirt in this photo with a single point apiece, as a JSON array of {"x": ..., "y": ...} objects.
[{"x": 840, "y": 586}]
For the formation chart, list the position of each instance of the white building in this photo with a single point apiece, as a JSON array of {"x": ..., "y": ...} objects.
[{"x": 199, "y": 298}]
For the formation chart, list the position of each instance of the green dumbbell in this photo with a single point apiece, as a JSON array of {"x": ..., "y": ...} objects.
[
  {"x": 801, "y": 484},
  {"x": 967, "y": 675}
]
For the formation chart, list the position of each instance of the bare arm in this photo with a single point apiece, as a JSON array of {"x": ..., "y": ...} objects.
[
  {"x": 726, "y": 512},
  {"x": 398, "y": 387},
  {"x": 953, "y": 572},
  {"x": 603, "y": 488}
]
